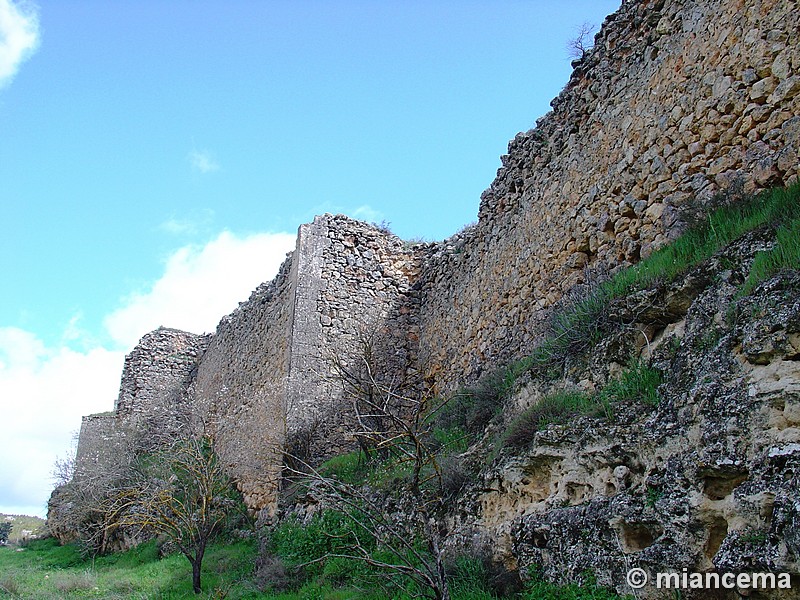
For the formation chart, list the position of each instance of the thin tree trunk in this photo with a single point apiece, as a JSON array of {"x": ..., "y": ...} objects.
[
  {"x": 197, "y": 564},
  {"x": 443, "y": 593}
]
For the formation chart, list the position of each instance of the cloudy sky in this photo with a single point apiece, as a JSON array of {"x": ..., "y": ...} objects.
[{"x": 156, "y": 159}]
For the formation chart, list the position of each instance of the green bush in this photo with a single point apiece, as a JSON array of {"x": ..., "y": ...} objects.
[{"x": 328, "y": 532}]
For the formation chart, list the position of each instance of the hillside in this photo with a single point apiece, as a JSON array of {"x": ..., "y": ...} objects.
[{"x": 23, "y": 526}]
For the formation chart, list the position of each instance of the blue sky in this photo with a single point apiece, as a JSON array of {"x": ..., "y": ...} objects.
[{"x": 157, "y": 157}]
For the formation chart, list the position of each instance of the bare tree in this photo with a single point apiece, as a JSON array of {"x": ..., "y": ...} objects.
[
  {"x": 180, "y": 491},
  {"x": 76, "y": 507},
  {"x": 392, "y": 421},
  {"x": 583, "y": 41}
]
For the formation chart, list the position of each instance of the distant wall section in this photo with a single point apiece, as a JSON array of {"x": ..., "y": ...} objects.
[{"x": 153, "y": 401}]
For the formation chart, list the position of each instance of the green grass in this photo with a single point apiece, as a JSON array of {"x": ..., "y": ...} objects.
[
  {"x": 785, "y": 255},
  {"x": 45, "y": 570},
  {"x": 578, "y": 327},
  {"x": 352, "y": 468},
  {"x": 540, "y": 590},
  {"x": 638, "y": 383},
  {"x": 555, "y": 408}
]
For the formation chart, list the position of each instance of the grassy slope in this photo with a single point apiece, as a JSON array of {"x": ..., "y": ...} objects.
[{"x": 43, "y": 570}]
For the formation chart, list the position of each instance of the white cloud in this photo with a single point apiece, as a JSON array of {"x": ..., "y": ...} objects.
[
  {"x": 190, "y": 225},
  {"x": 200, "y": 285},
  {"x": 366, "y": 213},
  {"x": 44, "y": 392},
  {"x": 202, "y": 161},
  {"x": 19, "y": 37}
]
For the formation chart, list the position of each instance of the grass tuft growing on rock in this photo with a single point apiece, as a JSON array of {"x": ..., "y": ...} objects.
[
  {"x": 785, "y": 255},
  {"x": 579, "y": 326},
  {"x": 553, "y": 409},
  {"x": 638, "y": 383}
]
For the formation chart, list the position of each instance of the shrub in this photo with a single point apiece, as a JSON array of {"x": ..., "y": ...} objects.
[
  {"x": 328, "y": 532},
  {"x": 455, "y": 475},
  {"x": 9, "y": 585},
  {"x": 473, "y": 407},
  {"x": 470, "y": 577}
]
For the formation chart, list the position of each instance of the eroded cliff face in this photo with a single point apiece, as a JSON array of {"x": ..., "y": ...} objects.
[{"x": 708, "y": 480}]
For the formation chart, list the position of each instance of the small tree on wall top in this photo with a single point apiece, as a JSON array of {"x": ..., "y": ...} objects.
[{"x": 583, "y": 41}]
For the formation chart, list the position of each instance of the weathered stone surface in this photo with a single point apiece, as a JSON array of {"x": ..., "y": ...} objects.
[{"x": 568, "y": 185}]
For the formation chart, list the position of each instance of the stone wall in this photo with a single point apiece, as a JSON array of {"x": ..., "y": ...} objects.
[
  {"x": 152, "y": 403},
  {"x": 156, "y": 378},
  {"x": 100, "y": 442},
  {"x": 268, "y": 379},
  {"x": 240, "y": 389},
  {"x": 678, "y": 99},
  {"x": 357, "y": 300}
]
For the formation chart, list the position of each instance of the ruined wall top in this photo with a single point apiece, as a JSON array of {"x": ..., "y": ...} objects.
[{"x": 157, "y": 371}]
